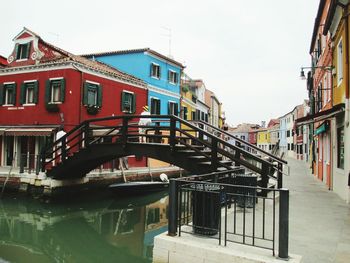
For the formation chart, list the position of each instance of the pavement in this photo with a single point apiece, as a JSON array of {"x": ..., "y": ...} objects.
[{"x": 319, "y": 226}]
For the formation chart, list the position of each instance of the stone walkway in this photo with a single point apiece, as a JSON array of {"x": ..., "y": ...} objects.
[{"x": 319, "y": 227}]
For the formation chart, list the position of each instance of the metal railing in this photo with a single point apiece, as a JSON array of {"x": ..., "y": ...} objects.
[
  {"x": 214, "y": 205},
  {"x": 248, "y": 147},
  {"x": 165, "y": 130}
]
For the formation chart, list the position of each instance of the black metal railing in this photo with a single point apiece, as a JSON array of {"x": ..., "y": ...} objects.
[
  {"x": 225, "y": 206},
  {"x": 165, "y": 129},
  {"x": 271, "y": 157}
]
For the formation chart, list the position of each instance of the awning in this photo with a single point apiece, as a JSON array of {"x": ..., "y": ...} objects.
[
  {"x": 2, "y": 131},
  {"x": 322, "y": 128},
  {"x": 28, "y": 131},
  {"x": 321, "y": 115}
]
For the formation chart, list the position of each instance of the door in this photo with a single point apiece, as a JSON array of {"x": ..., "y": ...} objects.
[
  {"x": 27, "y": 151},
  {"x": 9, "y": 150}
]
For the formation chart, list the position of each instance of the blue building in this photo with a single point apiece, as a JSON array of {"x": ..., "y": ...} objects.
[{"x": 162, "y": 74}]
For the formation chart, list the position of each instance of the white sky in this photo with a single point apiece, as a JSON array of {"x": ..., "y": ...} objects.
[{"x": 249, "y": 52}]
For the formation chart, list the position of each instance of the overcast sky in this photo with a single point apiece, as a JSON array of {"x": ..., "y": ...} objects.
[{"x": 248, "y": 52}]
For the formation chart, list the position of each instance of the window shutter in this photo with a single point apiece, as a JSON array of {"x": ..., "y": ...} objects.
[
  {"x": 22, "y": 98},
  {"x": 63, "y": 89},
  {"x": 176, "y": 109},
  {"x": 150, "y": 70},
  {"x": 36, "y": 92},
  {"x": 16, "y": 48},
  {"x": 168, "y": 75},
  {"x": 122, "y": 103},
  {"x": 85, "y": 93},
  {"x": 160, "y": 72},
  {"x": 47, "y": 91},
  {"x": 133, "y": 103},
  {"x": 158, "y": 108},
  {"x": 14, "y": 87},
  {"x": 2, "y": 94},
  {"x": 99, "y": 96},
  {"x": 28, "y": 49},
  {"x": 169, "y": 108}
]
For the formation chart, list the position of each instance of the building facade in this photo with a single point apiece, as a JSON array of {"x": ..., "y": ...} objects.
[
  {"x": 44, "y": 88},
  {"x": 162, "y": 75}
]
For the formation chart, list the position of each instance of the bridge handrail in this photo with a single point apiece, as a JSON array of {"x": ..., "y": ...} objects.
[{"x": 243, "y": 142}]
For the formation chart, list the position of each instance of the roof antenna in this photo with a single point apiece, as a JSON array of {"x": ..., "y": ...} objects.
[{"x": 169, "y": 36}]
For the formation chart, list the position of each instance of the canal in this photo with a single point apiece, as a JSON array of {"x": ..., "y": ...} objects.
[{"x": 92, "y": 229}]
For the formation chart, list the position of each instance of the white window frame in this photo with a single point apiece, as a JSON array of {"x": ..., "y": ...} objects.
[
  {"x": 340, "y": 47},
  {"x": 26, "y": 103},
  {"x": 6, "y": 96},
  {"x": 133, "y": 97},
  {"x": 52, "y": 80},
  {"x": 157, "y": 76},
  {"x": 172, "y": 106},
  {"x": 173, "y": 77},
  {"x": 22, "y": 59}
]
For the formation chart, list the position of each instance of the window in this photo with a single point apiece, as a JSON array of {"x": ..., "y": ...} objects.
[
  {"x": 172, "y": 77},
  {"x": 198, "y": 115},
  {"x": 22, "y": 51},
  {"x": 193, "y": 115},
  {"x": 92, "y": 94},
  {"x": 55, "y": 90},
  {"x": 172, "y": 108},
  {"x": 8, "y": 94},
  {"x": 206, "y": 117},
  {"x": 288, "y": 133},
  {"x": 340, "y": 61},
  {"x": 155, "y": 106},
  {"x": 184, "y": 113},
  {"x": 340, "y": 147},
  {"x": 128, "y": 104},
  {"x": 155, "y": 71},
  {"x": 202, "y": 116},
  {"x": 29, "y": 92}
]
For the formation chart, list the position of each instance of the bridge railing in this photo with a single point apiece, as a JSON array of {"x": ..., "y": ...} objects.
[
  {"x": 248, "y": 146},
  {"x": 164, "y": 129},
  {"x": 216, "y": 206}
]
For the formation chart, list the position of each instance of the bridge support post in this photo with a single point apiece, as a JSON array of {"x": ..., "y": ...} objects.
[
  {"x": 86, "y": 135},
  {"x": 279, "y": 176},
  {"x": 173, "y": 207},
  {"x": 283, "y": 235},
  {"x": 172, "y": 133},
  {"x": 214, "y": 153},
  {"x": 264, "y": 179}
]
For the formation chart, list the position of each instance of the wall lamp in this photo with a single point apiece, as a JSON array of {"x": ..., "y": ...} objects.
[{"x": 326, "y": 68}]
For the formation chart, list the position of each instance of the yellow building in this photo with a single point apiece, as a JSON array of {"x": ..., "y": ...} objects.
[{"x": 263, "y": 139}]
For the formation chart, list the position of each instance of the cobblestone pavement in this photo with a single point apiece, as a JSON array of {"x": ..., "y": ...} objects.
[{"x": 319, "y": 219}]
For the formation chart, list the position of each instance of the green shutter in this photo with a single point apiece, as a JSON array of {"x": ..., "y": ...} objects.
[
  {"x": 122, "y": 103},
  {"x": 176, "y": 110},
  {"x": 133, "y": 103},
  {"x": 99, "y": 95},
  {"x": 169, "y": 108},
  {"x": 2, "y": 94},
  {"x": 14, "y": 87},
  {"x": 168, "y": 75},
  {"x": 47, "y": 91},
  {"x": 63, "y": 89},
  {"x": 16, "y": 48},
  {"x": 36, "y": 92},
  {"x": 22, "y": 98},
  {"x": 28, "y": 49},
  {"x": 85, "y": 93}
]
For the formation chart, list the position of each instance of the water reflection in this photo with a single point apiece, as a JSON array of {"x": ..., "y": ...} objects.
[{"x": 104, "y": 231}]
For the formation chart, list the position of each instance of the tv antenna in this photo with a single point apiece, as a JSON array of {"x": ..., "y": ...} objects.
[{"x": 168, "y": 34}]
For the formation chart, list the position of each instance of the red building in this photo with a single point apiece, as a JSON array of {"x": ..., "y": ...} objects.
[{"x": 43, "y": 87}]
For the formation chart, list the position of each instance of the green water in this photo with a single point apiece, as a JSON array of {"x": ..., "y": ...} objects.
[{"x": 95, "y": 230}]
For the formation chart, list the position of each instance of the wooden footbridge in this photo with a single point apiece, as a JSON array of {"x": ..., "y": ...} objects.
[{"x": 194, "y": 146}]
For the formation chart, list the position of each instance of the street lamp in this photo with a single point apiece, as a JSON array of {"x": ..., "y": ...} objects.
[{"x": 302, "y": 74}]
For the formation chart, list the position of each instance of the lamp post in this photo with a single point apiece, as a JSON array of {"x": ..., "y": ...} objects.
[{"x": 326, "y": 68}]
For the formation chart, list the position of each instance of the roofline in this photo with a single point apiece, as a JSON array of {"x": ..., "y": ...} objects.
[
  {"x": 72, "y": 63},
  {"x": 330, "y": 16},
  {"x": 131, "y": 51},
  {"x": 316, "y": 24}
]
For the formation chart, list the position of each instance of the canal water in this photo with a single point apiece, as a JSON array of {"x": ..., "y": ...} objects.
[{"x": 95, "y": 229}]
